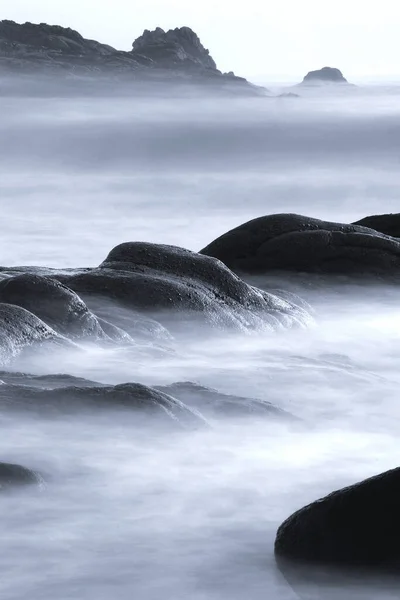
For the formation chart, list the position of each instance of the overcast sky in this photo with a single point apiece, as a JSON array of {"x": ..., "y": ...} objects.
[{"x": 275, "y": 38}]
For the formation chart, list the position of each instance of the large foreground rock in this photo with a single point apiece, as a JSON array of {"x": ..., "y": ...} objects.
[
  {"x": 355, "y": 527},
  {"x": 388, "y": 224},
  {"x": 290, "y": 242},
  {"x": 172, "y": 282}
]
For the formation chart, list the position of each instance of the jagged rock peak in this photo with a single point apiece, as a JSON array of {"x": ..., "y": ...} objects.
[
  {"x": 326, "y": 74},
  {"x": 182, "y": 44}
]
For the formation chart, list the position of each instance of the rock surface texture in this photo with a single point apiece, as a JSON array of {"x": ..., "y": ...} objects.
[{"x": 387, "y": 224}]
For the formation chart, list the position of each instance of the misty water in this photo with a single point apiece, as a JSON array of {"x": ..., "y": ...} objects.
[{"x": 138, "y": 511}]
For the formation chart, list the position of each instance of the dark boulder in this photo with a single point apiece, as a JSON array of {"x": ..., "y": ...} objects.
[
  {"x": 388, "y": 224},
  {"x": 172, "y": 282},
  {"x": 58, "y": 306},
  {"x": 134, "y": 399},
  {"x": 355, "y": 527},
  {"x": 20, "y": 329},
  {"x": 13, "y": 476},
  {"x": 290, "y": 242},
  {"x": 324, "y": 75}
]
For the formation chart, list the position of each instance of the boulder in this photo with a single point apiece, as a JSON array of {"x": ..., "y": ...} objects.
[
  {"x": 58, "y": 306},
  {"x": 20, "y": 329},
  {"x": 173, "y": 283},
  {"x": 324, "y": 75},
  {"x": 388, "y": 224},
  {"x": 134, "y": 399},
  {"x": 13, "y": 476},
  {"x": 290, "y": 242},
  {"x": 355, "y": 527}
]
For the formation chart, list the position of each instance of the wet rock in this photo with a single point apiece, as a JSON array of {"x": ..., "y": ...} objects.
[
  {"x": 134, "y": 399},
  {"x": 58, "y": 306},
  {"x": 388, "y": 224},
  {"x": 174, "y": 283},
  {"x": 324, "y": 75},
  {"x": 14, "y": 476},
  {"x": 20, "y": 329},
  {"x": 290, "y": 242},
  {"x": 212, "y": 403},
  {"x": 355, "y": 527}
]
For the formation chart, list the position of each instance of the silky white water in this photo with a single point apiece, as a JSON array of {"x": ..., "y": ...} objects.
[{"x": 148, "y": 513}]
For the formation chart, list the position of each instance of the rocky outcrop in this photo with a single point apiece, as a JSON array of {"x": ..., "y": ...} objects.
[
  {"x": 172, "y": 282},
  {"x": 179, "y": 47},
  {"x": 388, "y": 224},
  {"x": 290, "y": 242},
  {"x": 355, "y": 527},
  {"x": 175, "y": 287},
  {"x": 14, "y": 476},
  {"x": 175, "y": 56},
  {"x": 325, "y": 75}
]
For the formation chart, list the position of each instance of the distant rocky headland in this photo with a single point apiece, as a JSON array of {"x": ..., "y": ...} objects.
[{"x": 175, "y": 56}]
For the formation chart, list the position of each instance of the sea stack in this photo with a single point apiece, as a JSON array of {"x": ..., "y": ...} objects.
[{"x": 324, "y": 75}]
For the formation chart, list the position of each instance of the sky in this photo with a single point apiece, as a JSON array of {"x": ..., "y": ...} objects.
[{"x": 260, "y": 39}]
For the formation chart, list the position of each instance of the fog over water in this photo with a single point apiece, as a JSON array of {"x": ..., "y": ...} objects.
[{"x": 138, "y": 511}]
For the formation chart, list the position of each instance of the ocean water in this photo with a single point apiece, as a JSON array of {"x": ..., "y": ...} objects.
[{"x": 142, "y": 512}]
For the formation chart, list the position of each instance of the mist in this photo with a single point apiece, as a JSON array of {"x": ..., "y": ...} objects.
[{"x": 132, "y": 509}]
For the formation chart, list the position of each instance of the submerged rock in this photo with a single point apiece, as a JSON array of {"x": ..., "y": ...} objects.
[
  {"x": 355, "y": 527},
  {"x": 13, "y": 476},
  {"x": 137, "y": 399},
  {"x": 212, "y": 403},
  {"x": 324, "y": 75},
  {"x": 20, "y": 329},
  {"x": 172, "y": 282},
  {"x": 58, "y": 306},
  {"x": 290, "y": 242},
  {"x": 388, "y": 224}
]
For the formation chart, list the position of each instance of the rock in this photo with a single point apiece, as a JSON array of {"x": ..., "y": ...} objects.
[
  {"x": 289, "y": 242},
  {"x": 158, "y": 57},
  {"x": 355, "y": 527},
  {"x": 174, "y": 284},
  {"x": 136, "y": 399},
  {"x": 388, "y": 224},
  {"x": 59, "y": 307},
  {"x": 176, "y": 47},
  {"x": 214, "y": 404},
  {"x": 12, "y": 476},
  {"x": 325, "y": 75},
  {"x": 20, "y": 329}
]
